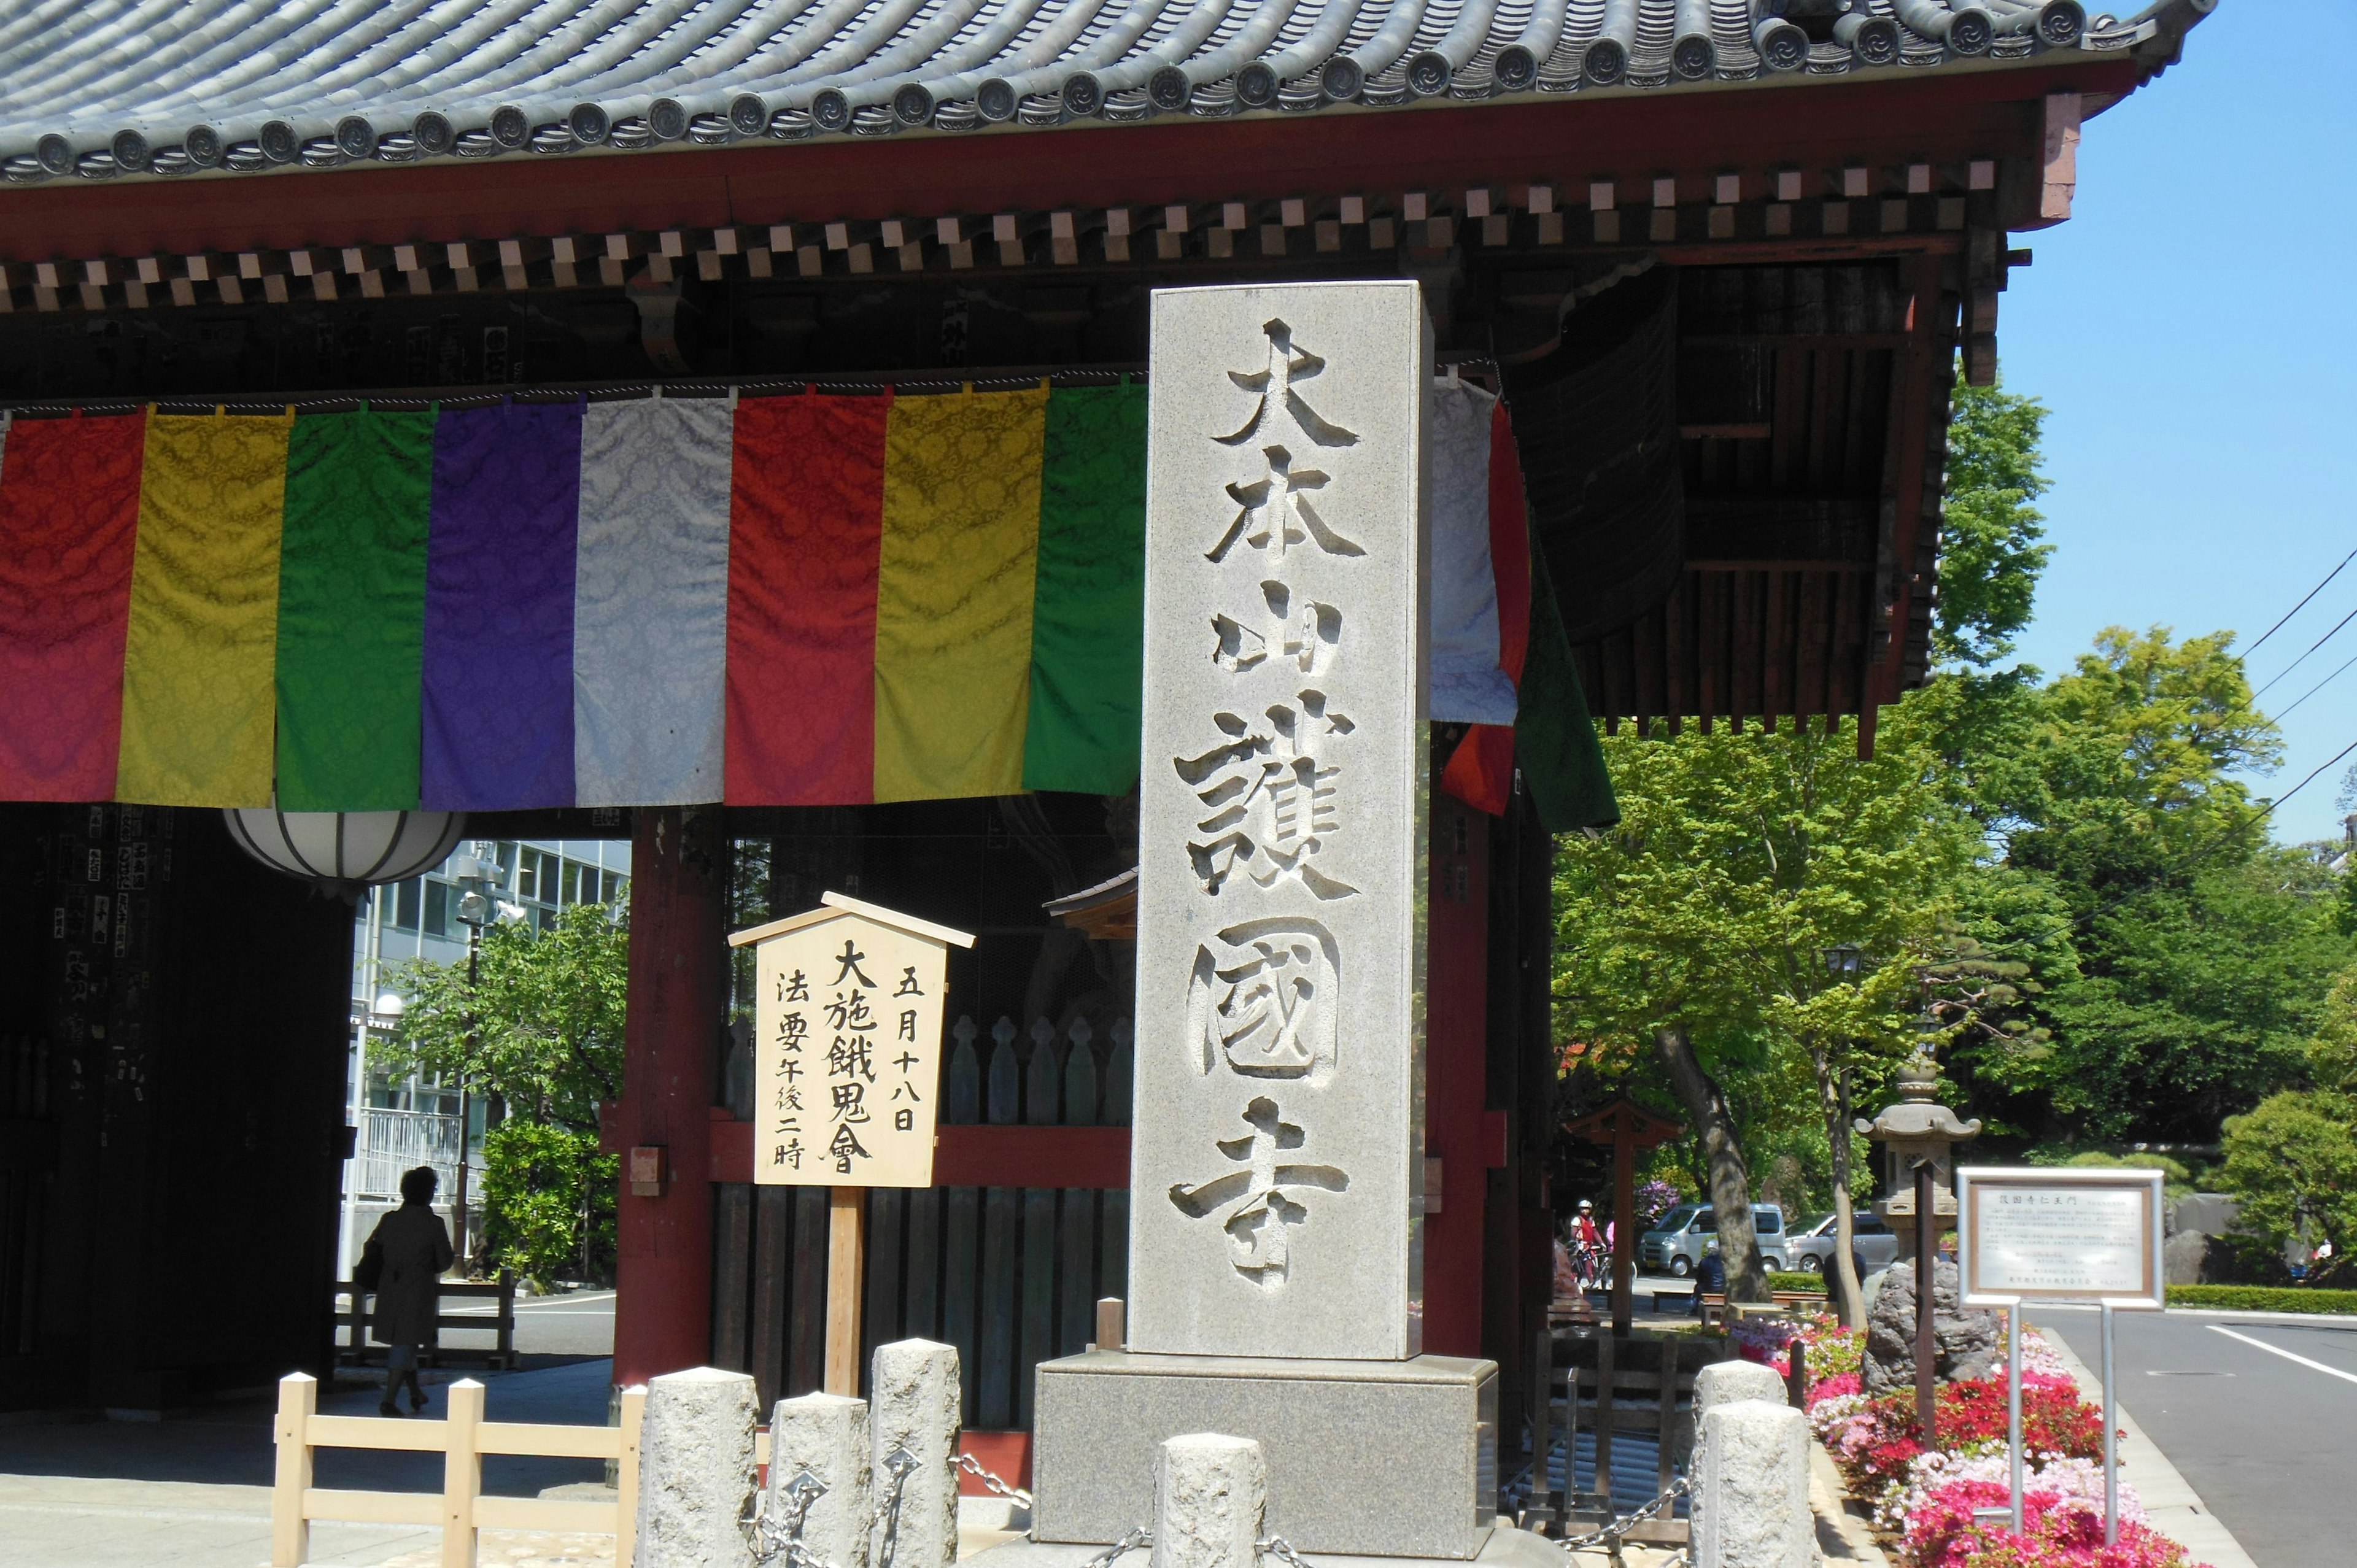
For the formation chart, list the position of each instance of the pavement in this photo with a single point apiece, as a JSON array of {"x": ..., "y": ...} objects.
[
  {"x": 193, "y": 1491},
  {"x": 2255, "y": 1412}
]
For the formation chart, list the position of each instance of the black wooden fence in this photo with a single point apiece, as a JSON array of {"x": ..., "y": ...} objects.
[{"x": 1009, "y": 1275}]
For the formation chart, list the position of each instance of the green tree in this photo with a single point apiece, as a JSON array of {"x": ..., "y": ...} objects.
[
  {"x": 2174, "y": 960},
  {"x": 2293, "y": 1160},
  {"x": 542, "y": 1025},
  {"x": 548, "y": 1202},
  {"x": 1697, "y": 927},
  {"x": 540, "y": 1030},
  {"x": 1990, "y": 554}
]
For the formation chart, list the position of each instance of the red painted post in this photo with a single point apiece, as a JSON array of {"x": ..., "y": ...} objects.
[
  {"x": 663, "y": 1310},
  {"x": 1455, "y": 1071}
]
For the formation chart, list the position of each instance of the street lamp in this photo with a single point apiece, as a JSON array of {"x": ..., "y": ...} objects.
[
  {"x": 478, "y": 879},
  {"x": 1842, "y": 962}
]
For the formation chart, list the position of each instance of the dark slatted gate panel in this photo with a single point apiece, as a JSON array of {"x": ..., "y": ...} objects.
[{"x": 1009, "y": 1275}]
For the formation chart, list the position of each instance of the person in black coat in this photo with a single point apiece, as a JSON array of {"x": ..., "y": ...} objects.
[{"x": 404, "y": 1263}]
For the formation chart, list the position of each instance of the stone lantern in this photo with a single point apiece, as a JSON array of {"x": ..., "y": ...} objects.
[
  {"x": 1916, "y": 1134},
  {"x": 1913, "y": 1130}
]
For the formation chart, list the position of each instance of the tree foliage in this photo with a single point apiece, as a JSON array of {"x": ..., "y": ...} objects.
[
  {"x": 1989, "y": 532},
  {"x": 2067, "y": 881},
  {"x": 548, "y": 1202},
  {"x": 541, "y": 1026}
]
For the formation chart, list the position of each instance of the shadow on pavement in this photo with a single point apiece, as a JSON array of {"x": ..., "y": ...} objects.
[{"x": 230, "y": 1443}]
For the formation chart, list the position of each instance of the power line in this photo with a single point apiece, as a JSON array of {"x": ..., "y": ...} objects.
[
  {"x": 2319, "y": 686},
  {"x": 2301, "y": 606},
  {"x": 2312, "y": 646},
  {"x": 2305, "y": 782}
]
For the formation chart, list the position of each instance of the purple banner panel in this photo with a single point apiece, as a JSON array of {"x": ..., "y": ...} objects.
[{"x": 498, "y": 607}]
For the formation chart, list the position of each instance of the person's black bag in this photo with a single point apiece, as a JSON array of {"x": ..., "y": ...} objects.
[{"x": 370, "y": 1268}]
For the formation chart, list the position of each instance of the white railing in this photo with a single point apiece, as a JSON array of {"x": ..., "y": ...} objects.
[
  {"x": 462, "y": 1437},
  {"x": 391, "y": 1142}
]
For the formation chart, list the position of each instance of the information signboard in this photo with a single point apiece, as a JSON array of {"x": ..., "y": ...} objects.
[
  {"x": 2028, "y": 1235},
  {"x": 847, "y": 1031}
]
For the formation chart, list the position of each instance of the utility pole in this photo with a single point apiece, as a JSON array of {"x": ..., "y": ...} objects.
[{"x": 478, "y": 877}]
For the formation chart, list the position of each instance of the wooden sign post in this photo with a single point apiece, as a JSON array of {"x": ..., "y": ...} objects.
[
  {"x": 848, "y": 1032},
  {"x": 1628, "y": 1127}
]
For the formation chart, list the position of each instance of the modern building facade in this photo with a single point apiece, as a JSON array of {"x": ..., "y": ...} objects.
[{"x": 400, "y": 1121}]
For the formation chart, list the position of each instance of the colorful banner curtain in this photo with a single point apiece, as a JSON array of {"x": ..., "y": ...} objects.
[{"x": 819, "y": 599}]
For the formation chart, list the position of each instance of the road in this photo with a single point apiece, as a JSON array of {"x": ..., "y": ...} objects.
[
  {"x": 2267, "y": 1440},
  {"x": 581, "y": 1324}
]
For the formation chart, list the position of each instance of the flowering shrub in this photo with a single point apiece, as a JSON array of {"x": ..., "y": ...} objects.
[
  {"x": 2056, "y": 1533},
  {"x": 1654, "y": 1200},
  {"x": 1926, "y": 1497},
  {"x": 2075, "y": 1482}
]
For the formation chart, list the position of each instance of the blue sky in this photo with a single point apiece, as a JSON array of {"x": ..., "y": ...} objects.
[{"x": 2193, "y": 328}]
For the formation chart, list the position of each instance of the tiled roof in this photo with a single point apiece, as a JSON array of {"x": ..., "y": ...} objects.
[{"x": 110, "y": 88}]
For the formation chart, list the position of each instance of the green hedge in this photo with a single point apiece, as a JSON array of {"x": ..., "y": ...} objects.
[
  {"x": 1780, "y": 1280},
  {"x": 2263, "y": 1298}
]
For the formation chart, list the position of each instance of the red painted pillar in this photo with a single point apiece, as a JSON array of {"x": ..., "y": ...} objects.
[
  {"x": 1456, "y": 1074},
  {"x": 678, "y": 967}
]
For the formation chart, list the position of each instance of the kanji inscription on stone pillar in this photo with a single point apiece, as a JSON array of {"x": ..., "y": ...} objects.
[{"x": 1277, "y": 1152}]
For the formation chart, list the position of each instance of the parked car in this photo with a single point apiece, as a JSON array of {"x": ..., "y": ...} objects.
[
  {"x": 1812, "y": 1251},
  {"x": 1678, "y": 1240}
]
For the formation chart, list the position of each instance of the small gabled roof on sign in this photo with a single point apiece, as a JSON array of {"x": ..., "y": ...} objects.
[
  {"x": 1648, "y": 1127},
  {"x": 833, "y": 906}
]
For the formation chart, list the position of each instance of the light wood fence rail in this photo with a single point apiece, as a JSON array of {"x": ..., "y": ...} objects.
[{"x": 462, "y": 1438}]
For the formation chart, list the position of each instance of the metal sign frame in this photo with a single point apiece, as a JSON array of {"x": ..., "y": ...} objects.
[{"x": 1974, "y": 1183}]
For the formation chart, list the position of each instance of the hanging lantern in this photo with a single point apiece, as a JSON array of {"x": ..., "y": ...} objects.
[{"x": 344, "y": 852}]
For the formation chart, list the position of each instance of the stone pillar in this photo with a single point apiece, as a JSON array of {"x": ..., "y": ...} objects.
[
  {"x": 825, "y": 1438},
  {"x": 1278, "y": 1152},
  {"x": 915, "y": 1416},
  {"x": 678, "y": 1009},
  {"x": 1750, "y": 1506},
  {"x": 1210, "y": 1494},
  {"x": 1724, "y": 1383},
  {"x": 695, "y": 1471},
  {"x": 1276, "y": 1202}
]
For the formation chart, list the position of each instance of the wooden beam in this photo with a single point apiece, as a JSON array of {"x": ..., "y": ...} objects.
[{"x": 1799, "y": 122}]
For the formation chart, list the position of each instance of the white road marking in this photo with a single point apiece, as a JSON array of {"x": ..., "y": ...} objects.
[{"x": 2277, "y": 1350}]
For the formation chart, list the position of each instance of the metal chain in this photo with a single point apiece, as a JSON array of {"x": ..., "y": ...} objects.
[
  {"x": 1140, "y": 1536},
  {"x": 900, "y": 1464},
  {"x": 1610, "y": 1536},
  {"x": 1276, "y": 1546},
  {"x": 773, "y": 1538},
  {"x": 998, "y": 1483}
]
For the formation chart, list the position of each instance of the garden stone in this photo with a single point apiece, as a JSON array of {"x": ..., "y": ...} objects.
[
  {"x": 1750, "y": 1503},
  {"x": 826, "y": 1437},
  {"x": 916, "y": 1412},
  {"x": 695, "y": 1470},
  {"x": 1210, "y": 1492},
  {"x": 1966, "y": 1344}
]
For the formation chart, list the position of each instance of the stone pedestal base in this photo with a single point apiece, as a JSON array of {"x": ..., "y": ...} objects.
[
  {"x": 1365, "y": 1458},
  {"x": 1504, "y": 1547}
]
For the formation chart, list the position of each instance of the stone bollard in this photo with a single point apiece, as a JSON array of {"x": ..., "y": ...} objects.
[
  {"x": 825, "y": 1438},
  {"x": 695, "y": 1471},
  {"x": 1750, "y": 1506},
  {"x": 1724, "y": 1383},
  {"x": 914, "y": 1413},
  {"x": 1210, "y": 1494}
]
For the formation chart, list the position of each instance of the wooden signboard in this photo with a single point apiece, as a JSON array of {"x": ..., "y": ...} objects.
[
  {"x": 2031, "y": 1235},
  {"x": 847, "y": 1017}
]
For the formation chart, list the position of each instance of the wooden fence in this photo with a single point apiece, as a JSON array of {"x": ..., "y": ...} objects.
[
  {"x": 1010, "y": 1274},
  {"x": 462, "y": 1437},
  {"x": 353, "y": 1316},
  {"x": 1613, "y": 1385}
]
